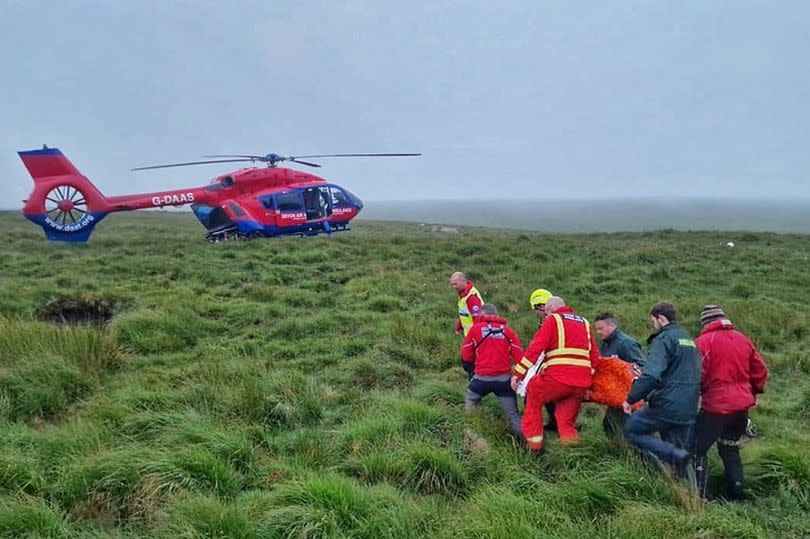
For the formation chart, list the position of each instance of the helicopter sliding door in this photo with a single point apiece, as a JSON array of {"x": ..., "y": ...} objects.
[{"x": 317, "y": 203}]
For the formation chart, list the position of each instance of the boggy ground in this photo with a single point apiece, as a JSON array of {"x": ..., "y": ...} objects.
[{"x": 311, "y": 387}]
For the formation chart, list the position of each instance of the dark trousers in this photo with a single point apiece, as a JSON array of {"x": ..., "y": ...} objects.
[
  {"x": 726, "y": 430},
  {"x": 552, "y": 418},
  {"x": 480, "y": 388},
  {"x": 614, "y": 421},
  {"x": 640, "y": 431}
]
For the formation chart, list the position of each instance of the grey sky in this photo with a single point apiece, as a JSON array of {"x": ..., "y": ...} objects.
[{"x": 525, "y": 99}]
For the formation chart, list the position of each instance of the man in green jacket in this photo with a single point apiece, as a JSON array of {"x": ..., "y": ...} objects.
[
  {"x": 616, "y": 343},
  {"x": 670, "y": 383}
]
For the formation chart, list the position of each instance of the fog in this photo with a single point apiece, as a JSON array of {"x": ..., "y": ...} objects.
[
  {"x": 538, "y": 99},
  {"x": 606, "y": 215}
]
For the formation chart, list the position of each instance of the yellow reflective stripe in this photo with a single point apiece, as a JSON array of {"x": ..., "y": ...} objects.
[
  {"x": 535, "y": 439},
  {"x": 520, "y": 369},
  {"x": 473, "y": 292},
  {"x": 568, "y": 352},
  {"x": 526, "y": 363},
  {"x": 560, "y": 331},
  {"x": 570, "y": 362},
  {"x": 588, "y": 334}
]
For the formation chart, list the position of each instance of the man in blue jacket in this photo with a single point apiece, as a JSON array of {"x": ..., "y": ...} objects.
[{"x": 670, "y": 383}]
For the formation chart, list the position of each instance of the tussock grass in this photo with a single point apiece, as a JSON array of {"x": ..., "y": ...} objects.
[
  {"x": 782, "y": 468},
  {"x": 440, "y": 393},
  {"x": 91, "y": 349},
  {"x": 152, "y": 332},
  {"x": 428, "y": 470},
  {"x": 207, "y": 517},
  {"x": 372, "y": 371},
  {"x": 27, "y": 517},
  {"x": 45, "y": 369},
  {"x": 312, "y": 388},
  {"x": 20, "y": 473},
  {"x": 644, "y": 520},
  {"x": 334, "y": 506},
  {"x": 131, "y": 484},
  {"x": 44, "y": 388},
  {"x": 499, "y": 513}
]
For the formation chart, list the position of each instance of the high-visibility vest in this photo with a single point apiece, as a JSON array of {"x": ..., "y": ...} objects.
[
  {"x": 464, "y": 313},
  {"x": 562, "y": 355}
]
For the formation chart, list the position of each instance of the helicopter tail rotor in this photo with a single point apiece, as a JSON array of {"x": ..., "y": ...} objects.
[{"x": 64, "y": 202}]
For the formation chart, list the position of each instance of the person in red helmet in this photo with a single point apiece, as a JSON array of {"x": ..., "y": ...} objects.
[
  {"x": 568, "y": 355},
  {"x": 491, "y": 348},
  {"x": 733, "y": 375}
]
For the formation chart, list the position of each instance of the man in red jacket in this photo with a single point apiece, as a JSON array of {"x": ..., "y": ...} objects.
[
  {"x": 568, "y": 353},
  {"x": 733, "y": 374},
  {"x": 491, "y": 348},
  {"x": 469, "y": 302}
]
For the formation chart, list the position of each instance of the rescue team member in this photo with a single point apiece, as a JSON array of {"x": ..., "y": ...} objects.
[
  {"x": 569, "y": 357},
  {"x": 491, "y": 348},
  {"x": 538, "y": 301},
  {"x": 469, "y": 302},
  {"x": 733, "y": 374},
  {"x": 670, "y": 383},
  {"x": 616, "y": 343}
]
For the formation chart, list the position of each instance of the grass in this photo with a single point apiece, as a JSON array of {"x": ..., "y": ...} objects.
[{"x": 311, "y": 388}]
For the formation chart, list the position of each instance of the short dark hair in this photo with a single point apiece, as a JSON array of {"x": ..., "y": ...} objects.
[
  {"x": 489, "y": 309},
  {"x": 665, "y": 309},
  {"x": 607, "y": 317}
]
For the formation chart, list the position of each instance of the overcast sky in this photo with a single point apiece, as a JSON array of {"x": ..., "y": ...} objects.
[{"x": 511, "y": 99}]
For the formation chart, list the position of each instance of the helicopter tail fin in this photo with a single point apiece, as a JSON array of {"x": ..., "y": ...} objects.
[{"x": 64, "y": 202}]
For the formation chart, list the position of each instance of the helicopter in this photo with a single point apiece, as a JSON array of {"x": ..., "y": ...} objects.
[{"x": 259, "y": 201}]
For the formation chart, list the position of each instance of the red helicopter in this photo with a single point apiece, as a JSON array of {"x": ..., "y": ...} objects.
[{"x": 252, "y": 202}]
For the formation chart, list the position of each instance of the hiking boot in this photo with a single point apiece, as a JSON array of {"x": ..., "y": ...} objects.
[
  {"x": 734, "y": 493},
  {"x": 684, "y": 466},
  {"x": 689, "y": 475}
]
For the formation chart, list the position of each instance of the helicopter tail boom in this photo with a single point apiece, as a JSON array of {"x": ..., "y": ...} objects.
[{"x": 64, "y": 202}]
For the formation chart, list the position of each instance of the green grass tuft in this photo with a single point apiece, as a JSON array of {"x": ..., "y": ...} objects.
[{"x": 312, "y": 388}]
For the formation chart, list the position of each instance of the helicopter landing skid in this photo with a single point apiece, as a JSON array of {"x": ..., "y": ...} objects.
[{"x": 229, "y": 233}]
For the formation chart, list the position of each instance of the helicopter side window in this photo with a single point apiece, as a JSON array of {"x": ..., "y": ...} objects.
[
  {"x": 292, "y": 201},
  {"x": 339, "y": 198},
  {"x": 267, "y": 202}
]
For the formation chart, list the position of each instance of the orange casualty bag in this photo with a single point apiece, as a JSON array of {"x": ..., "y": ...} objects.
[{"x": 612, "y": 381}]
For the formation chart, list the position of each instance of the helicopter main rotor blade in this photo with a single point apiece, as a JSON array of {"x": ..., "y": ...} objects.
[
  {"x": 192, "y": 163},
  {"x": 360, "y": 155},
  {"x": 294, "y": 160},
  {"x": 258, "y": 157}
]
